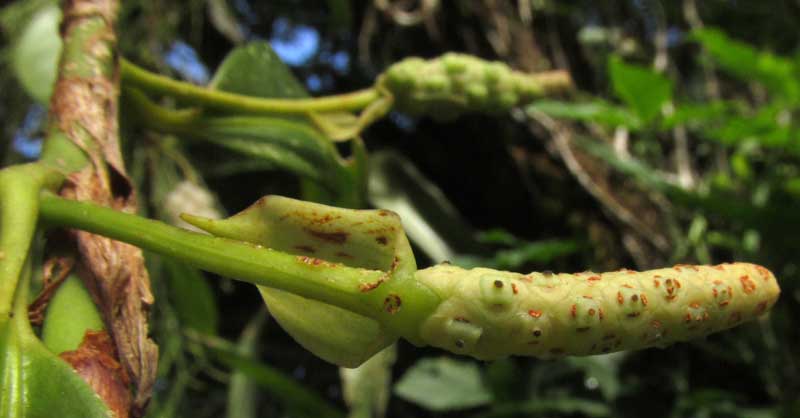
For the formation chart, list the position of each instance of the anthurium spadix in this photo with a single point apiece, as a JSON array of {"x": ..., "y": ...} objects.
[{"x": 483, "y": 313}]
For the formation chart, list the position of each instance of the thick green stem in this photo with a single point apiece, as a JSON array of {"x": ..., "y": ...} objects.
[
  {"x": 19, "y": 207},
  {"x": 236, "y": 103},
  {"x": 305, "y": 276}
]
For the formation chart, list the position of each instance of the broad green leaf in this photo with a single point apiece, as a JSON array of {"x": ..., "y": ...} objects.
[
  {"x": 443, "y": 384},
  {"x": 282, "y": 387},
  {"x": 597, "y": 111},
  {"x": 778, "y": 74},
  {"x": 36, "y": 51},
  {"x": 255, "y": 70},
  {"x": 367, "y": 239},
  {"x": 642, "y": 89}
]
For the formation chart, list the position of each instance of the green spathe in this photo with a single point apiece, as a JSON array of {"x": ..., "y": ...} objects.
[{"x": 366, "y": 239}]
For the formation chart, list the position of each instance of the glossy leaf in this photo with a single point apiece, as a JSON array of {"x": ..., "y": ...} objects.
[
  {"x": 642, "y": 89},
  {"x": 443, "y": 384}
]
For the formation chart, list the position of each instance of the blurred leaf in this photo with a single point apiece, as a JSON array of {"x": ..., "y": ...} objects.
[
  {"x": 224, "y": 20},
  {"x": 443, "y": 384},
  {"x": 523, "y": 253},
  {"x": 367, "y": 388},
  {"x": 36, "y": 51},
  {"x": 284, "y": 143},
  {"x": 60, "y": 331},
  {"x": 281, "y": 387},
  {"x": 777, "y": 74},
  {"x": 698, "y": 114},
  {"x": 562, "y": 405},
  {"x": 290, "y": 143},
  {"x": 604, "y": 369},
  {"x": 242, "y": 390},
  {"x": 192, "y": 297},
  {"x": 597, "y": 111},
  {"x": 642, "y": 89},
  {"x": 255, "y": 70},
  {"x": 770, "y": 126},
  {"x": 429, "y": 219}
]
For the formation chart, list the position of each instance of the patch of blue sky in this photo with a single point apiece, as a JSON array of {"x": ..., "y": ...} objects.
[
  {"x": 294, "y": 44},
  {"x": 28, "y": 139},
  {"x": 184, "y": 59}
]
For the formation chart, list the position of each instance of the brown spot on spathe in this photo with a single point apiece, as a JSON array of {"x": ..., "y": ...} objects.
[
  {"x": 338, "y": 237},
  {"x": 305, "y": 248},
  {"x": 391, "y": 303},
  {"x": 366, "y": 287},
  {"x": 382, "y": 240}
]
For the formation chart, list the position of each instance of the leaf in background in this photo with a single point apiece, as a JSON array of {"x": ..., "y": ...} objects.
[
  {"x": 192, "y": 297},
  {"x": 642, "y": 89},
  {"x": 290, "y": 143},
  {"x": 224, "y": 20},
  {"x": 699, "y": 114},
  {"x": 777, "y": 74},
  {"x": 242, "y": 390},
  {"x": 523, "y": 253},
  {"x": 562, "y": 404},
  {"x": 764, "y": 127},
  {"x": 597, "y": 111},
  {"x": 443, "y": 384},
  {"x": 367, "y": 388},
  {"x": 429, "y": 219},
  {"x": 281, "y": 387},
  {"x": 255, "y": 70},
  {"x": 601, "y": 372},
  {"x": 60, "y": 331},
  {"x": 284, "y": 143},
  {"x": 36, "y": 51}
]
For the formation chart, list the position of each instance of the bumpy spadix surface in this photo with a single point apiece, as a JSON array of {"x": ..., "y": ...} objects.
[{"x": 490, "y": 314}]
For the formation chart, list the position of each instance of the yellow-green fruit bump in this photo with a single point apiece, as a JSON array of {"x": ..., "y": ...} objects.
[
  {"x": 490, "y": 314},
  {"x": 69, "y": 315}
]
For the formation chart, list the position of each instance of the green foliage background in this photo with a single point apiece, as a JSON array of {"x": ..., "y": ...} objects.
[{"x": 682, "y": 145}]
